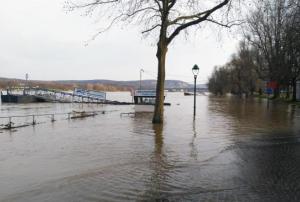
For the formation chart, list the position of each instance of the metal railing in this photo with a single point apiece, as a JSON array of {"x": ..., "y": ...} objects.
[{"x": 69, "y": 115}]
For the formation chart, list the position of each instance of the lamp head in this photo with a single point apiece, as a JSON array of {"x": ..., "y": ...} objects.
[{"x": 195, "y": 70}]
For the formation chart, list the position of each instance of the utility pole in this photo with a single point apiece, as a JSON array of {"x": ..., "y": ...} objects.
[
  {"x": 26, "y": 83},
  {"x": 141, "y": 70}
]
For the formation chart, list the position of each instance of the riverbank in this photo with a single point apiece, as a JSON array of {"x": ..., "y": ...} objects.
[{"x": 279, "y": 100}]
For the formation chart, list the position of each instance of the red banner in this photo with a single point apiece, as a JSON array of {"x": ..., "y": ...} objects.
[{"x": 272, "y": 84}]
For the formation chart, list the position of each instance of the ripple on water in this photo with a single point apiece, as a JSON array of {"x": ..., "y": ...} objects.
[{"x": 229, "y": 153}]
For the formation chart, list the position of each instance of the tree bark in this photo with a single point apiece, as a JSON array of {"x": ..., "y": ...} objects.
[
  {"x": 294, "y": 85},
  {"x": 287, "y": 96},
  {"x": 162, "y": 49},
  {"x": 275, "y": 94}
]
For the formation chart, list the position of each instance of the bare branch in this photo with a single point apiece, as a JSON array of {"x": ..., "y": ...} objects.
[
  {"x": 228, "y": 25},
  {"x": 172, "y": 3},
  {"x": 202, "y": 17},
  {"x": 152, "y": 28},
  {"x": 105, "y": 29},
  {"x": 95, "y": 3},
  {"x": 140, "y": 10},
  {"x": 187, "y": 17},
  {"x": 158, "y": 5}
]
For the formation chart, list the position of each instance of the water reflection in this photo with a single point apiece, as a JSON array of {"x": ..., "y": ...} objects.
[
  {"x": 265, "y": 146},
  {"x": 235, "y": 150},
  {"x": 156, "y": 175},
  {"x": 252, "y": 115},
  {"x": 194, "y": 150},
  {"x": 267, "y": 169},
  {"x": 155, "y": 185},
  {"x": 159, "y": 141}
]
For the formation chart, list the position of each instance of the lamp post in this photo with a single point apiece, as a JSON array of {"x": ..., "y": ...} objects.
[
  {"x": 141, "y": 70},
  {"x": 195, "y": 71},
  {"x": 26, "y": 84}
]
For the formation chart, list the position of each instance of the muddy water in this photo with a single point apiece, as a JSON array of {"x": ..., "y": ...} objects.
[{"x": 235, "y": 150}]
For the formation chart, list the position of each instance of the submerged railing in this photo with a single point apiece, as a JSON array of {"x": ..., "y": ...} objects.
[{"x": 34, "y": 117}]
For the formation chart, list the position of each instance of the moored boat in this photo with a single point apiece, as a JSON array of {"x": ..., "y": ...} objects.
[
  {"x": 192, "y": 93},
  {"x": 188, "y": 93}
]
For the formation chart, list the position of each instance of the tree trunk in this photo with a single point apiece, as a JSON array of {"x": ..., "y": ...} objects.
[
  {"x": 276, "y": 92},
  {"x": 162, "y": 49},
  {"x": 287, "y": 96},
  {"x": 260, "y": 91},
  {"x": 294, "y": 85}
]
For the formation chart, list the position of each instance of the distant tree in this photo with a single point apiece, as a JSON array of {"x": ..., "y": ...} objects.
[
  {"x": 238, "y": 76},
  {"x": 292, "y": 44},
  {"x": 219, "y": 82},
  {"x": 273, "y": 30},
  {"x": 168, "y": 17},
  {"x": 243, "y": 74}
]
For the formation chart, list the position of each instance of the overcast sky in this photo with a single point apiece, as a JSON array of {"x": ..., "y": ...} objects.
[{"x": 39, "y": 38}]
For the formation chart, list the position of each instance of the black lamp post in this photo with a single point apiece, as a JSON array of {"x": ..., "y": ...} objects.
[{"x": 195, "y": 71}]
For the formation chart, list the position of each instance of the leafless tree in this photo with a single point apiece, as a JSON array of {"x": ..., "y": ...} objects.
[
  {"x": 242, "y": 71},
  {"x": 292, "y": 44},
  {"x": 266, "y": 30},
  {"x": 219, "y": 82},
  {"x": 273, "y": 30},
  {"x": 238, "y": 76},
  {"x": 165, "y": 18}
]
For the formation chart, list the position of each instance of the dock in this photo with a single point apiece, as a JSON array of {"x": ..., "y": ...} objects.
[{"x": 32, "y": 95}]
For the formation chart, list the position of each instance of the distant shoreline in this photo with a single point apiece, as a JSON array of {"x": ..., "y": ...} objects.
[{"x": 96, "y": 84}]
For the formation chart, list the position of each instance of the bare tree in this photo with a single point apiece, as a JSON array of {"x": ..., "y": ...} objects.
[
  {"x": 238, "y": 76},
  {"x": 273, "y": 29},
  {"x": 166, "y": 18},
  {"x": 292, "y": 44},
  {"x": 243, "y": 74},
  {"x": 219, "y": 82},
  {"x": 266, "y": 31}
]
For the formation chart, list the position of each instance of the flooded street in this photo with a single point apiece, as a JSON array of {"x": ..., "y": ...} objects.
[{"x": 235, "y": 150}]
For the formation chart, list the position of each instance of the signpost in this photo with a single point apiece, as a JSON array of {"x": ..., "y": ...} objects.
[
  {"x": 272, "y": 84},
  {"x": 269, "y": 92},
  {"x": 298, "y": 91},
  {"x": 271, "y": 87},
  {"x": 145, "y": 93}
]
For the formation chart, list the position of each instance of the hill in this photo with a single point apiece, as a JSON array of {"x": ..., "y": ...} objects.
[
  {"x": 96, "y": 84},
  {"x": 145, "y": 84}
]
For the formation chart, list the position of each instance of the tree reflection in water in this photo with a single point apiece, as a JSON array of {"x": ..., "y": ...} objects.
[{"x": 159, "y": 168}]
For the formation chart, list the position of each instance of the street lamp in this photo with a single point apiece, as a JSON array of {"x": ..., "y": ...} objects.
[
  {"x": 195, "y": 71},
  {"x": 26, "y": 84},
  {"x": 141, "y": 70}
]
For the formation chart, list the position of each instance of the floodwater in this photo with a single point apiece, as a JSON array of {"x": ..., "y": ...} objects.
[{"x": 235, "y": 150}]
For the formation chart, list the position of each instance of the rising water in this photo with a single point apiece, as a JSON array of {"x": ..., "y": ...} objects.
[{"x": 235, "y": 150}]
